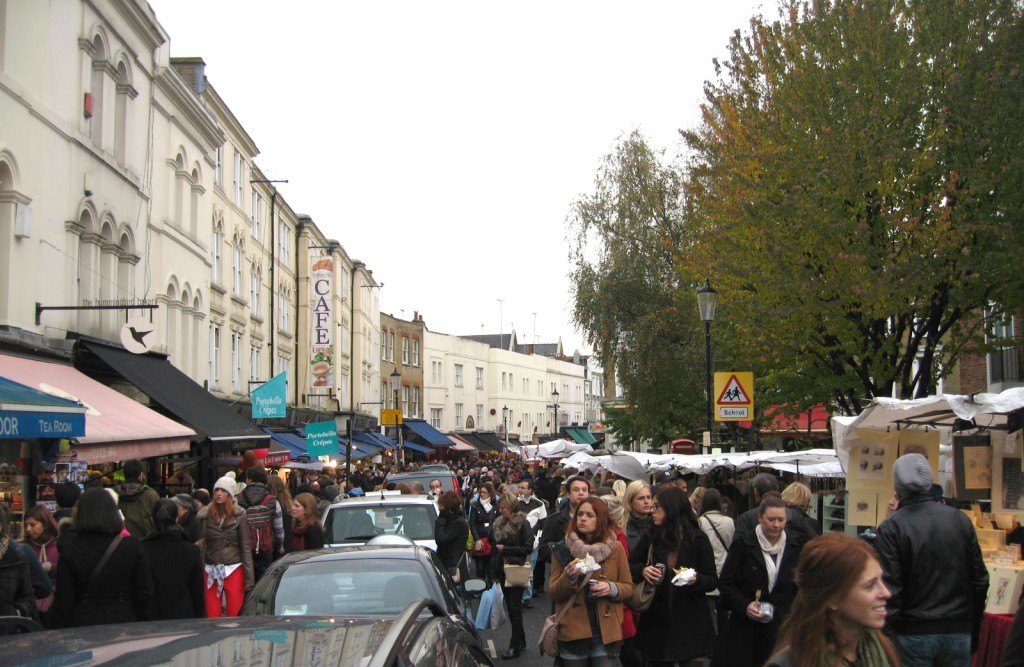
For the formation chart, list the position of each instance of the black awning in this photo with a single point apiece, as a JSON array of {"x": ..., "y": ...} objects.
[
  {"x": 484, "y": 441},
  {"x": 494, "y": 443},
  {"x": 174, "y": 391}
]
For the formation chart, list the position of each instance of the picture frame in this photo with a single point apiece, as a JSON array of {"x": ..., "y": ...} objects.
[
  {"x": 1004, "y": 590},
  {"x": 1012, "y": 497},
  {"x": 862, "y": 507},
  {"x": 972, "y": 466},
  {"x": 872, "y": 458}
]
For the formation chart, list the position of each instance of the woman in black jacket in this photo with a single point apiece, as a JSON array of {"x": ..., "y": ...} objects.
[
  {"x": 482, "y": 514},
  {"x": 175, "y": 565},
  {"x": 121, "y": 591},
  {"x": 747, "y": 581},
  {"x": 513, "y": 542},
  {"x": 678, "y": 627},
  {"x": 450, "y": 533},
  {"x": 306, "y": 532}
]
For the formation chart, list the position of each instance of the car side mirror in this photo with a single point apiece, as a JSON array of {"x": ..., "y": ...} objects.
[{"x": 474, "y": 586}]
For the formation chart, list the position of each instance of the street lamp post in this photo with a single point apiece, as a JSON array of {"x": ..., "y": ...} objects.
[
  {"x": 554, "y": 404},
  {"x": 707, "y": 298},
  {"x": 396, "y": 383},
  {"x": 504, "y": 425}
]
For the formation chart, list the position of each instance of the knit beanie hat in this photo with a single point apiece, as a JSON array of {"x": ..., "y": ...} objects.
[
  {"x": 227, "y": 482},
  {"x": 911, "y": 474},
  {"x": 184, "y": 500}
]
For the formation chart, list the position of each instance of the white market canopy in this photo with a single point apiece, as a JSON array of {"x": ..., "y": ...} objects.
[
  {"x": 555, "y": 449},
  {"x": 635, "y": 465},
  {"x": 938, "y": 412}
]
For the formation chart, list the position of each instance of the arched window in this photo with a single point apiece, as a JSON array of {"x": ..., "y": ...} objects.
[
  {"x": 186, "y": 352},
  {"x": 215, "y": 248},
  {"x": 172, "y": 318},
  {"x": 15, "y": 221},
  {"x": 98, "y": 88},
  {"x": 196, "y": 191},
  {"x": 122, "y": 113},
  {"x": 237, "y": 256},
  {"x": 255, "y": 290},
  {"x": 180, "y": 177}
]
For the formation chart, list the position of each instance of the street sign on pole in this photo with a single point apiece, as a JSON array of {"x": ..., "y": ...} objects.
[
  {"x": 735, "y": 396},
  {"x": 390, "y": 417}
]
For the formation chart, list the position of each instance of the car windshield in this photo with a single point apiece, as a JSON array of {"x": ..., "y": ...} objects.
[
  {"x": 359, "y": 524},
  {"x": 350, "y": 586}
]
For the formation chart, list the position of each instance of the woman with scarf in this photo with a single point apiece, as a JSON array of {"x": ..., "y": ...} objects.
[
  {"x": 513, "y": 542},
  {"x": 759, "y": 569},
  {"x": 227, "y": 556},
  {"x": 482, "y": 513},
  {"x": 637, "y": 500},
  {"x": 306, "y": 532},
  {"x": 839, "y": 611},
  {"x": 41, "y": 536},
  {"x": 591, "y": 630},
  {"x": 677, "y": 628}
]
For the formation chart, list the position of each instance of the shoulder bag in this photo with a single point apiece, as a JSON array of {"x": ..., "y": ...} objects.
[
  {"x": 517, "y": 576},
  {"x": 103, "y": 561},
  {"x": 548, "y": 641},
  {"x": 643, "y": 593}
]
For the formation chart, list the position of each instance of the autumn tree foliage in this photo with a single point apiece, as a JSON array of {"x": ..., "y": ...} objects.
[
  {"x": 855, "y": 192},
  {"x": 629, "y": 299}
]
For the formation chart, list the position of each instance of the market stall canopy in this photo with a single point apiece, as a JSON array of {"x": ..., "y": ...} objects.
[
  {"x": 554, "y": 449},
  {"x": 461, "y": 445},
  {"x": 167, "y": 386},
  {"x": 424, "y": 432},
  {"x": 636, "y": 465},
  {"x": 116, "y": 427},
  {"x": 29, "y": 413},
  {"x": 580, "y": 435},
  {"x": 986, "y": 411}
]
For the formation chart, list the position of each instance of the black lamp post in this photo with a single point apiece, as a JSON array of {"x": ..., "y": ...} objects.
[
  {"x": 707, "y": 298},
  {"x": 554, "y": 404},
  {"x": 396, "y": 383},
  {"x": 504, "y": 425}
]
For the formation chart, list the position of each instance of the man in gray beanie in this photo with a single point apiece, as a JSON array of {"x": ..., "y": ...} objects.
[{"x": 932, "y": 564}]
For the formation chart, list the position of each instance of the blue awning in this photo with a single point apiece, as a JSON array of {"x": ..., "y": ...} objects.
[
  {"x": 417, "y": 448},
  {"x": 374, "y": 439},
  {"x": 359, "y": 450},
  {"x": 30, "y": 413},
  {"x": 291, "y": 441},
  {"x": 426, "y": 432}
]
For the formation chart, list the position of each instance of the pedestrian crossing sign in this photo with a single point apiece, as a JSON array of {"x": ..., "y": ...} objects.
[{"x": 735, "y": 396}]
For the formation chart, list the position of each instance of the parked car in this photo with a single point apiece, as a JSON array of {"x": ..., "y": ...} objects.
[
  {"x": 363, "y": 580},
  {"x": 354, "y": 521},
  {"x": 449, "y": 482},
  {"x": 421, "y": 635}
]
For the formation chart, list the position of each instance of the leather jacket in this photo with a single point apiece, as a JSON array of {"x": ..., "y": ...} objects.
[{"x": 933, "y": 566}]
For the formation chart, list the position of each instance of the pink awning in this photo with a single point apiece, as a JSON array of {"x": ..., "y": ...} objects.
[
  {"x": 460, "y": 444},
  {"x": 116, "y": 427}
]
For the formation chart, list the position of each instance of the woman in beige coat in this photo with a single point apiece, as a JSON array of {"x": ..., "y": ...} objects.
[
  {"x": 227, "y": 557},
  {"x": 591, "y": 631}
]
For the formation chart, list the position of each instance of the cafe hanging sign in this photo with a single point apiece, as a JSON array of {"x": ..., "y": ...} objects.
[{"x": 321, "y": 357}]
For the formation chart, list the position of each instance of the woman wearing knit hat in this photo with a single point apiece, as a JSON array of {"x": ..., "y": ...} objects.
[{"x": 227, "y": 557}]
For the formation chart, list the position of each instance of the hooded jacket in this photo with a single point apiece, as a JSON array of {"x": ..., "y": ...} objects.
[{"x": 136, "y": 500}]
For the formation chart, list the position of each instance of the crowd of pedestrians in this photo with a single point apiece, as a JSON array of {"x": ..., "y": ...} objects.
[{"x": 764, "y": 588}]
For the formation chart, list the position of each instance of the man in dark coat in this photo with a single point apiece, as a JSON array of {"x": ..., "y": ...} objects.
[
  {"x": 932, "y": 564},
  {"x": 136, "y": 500},
  {"x": 176, "y": 567},
  {"x": 578, "y": 489}
]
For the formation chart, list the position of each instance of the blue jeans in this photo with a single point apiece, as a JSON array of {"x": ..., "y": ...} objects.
[
  {"x": 528, "y": 591},
  {"x": 953, "y": 650}
]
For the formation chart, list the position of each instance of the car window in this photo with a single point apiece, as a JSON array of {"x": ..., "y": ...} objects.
[
  {"x": 358, "y": 524},
  {"x": 350, "y": 586},
  {"x": 442, "y": 644},
  {"x": 441, "y": 573}
]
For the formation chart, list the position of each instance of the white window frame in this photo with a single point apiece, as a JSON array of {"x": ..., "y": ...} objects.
[
  {"x": 479, "y": 377},
  {"x": 216, "y": 243},
  {"x": 236, "y": 361},
  {"x": 405, "y": 350},
  {"x": 238, "y": 177},
  {"x": 236, "y": 267},
  {"x": 415, "y": 353},
  {"x": 458, "y": 416},
  {"x": 257, "y": 206},
  {"x": 458, "y": 375},
  {"x": 436, "y": 415}
]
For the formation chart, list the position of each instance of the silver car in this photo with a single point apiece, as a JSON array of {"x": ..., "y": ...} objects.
[{"x": 359, "y": 520}]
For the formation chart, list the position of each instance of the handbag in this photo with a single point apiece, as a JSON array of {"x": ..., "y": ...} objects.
[
  {"x": 548, "y": 640},
  {"x": 481, "y": 548},
  {"x": 517, "y": 576},
  {"x": 643, "y": 594}
]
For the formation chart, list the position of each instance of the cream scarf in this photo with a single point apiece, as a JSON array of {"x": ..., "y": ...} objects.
[{"x": 772, "y": 555}]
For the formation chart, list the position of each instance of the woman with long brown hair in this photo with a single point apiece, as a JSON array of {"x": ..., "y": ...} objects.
[
  {"x": 41, "y": 536},
  {"x": 227, "y": 556},
  {"x": 306, "y": 532},
  {"x": 839, "y": 610},
  {"x": 590, "y": 532}
]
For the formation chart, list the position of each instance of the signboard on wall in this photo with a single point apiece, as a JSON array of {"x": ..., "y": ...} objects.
[{"x": 321, "y": 343}]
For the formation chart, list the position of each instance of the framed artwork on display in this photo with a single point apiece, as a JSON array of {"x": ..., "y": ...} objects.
[
  {"x": 1004, "y": 590},
  {"x": 926, "y": 443},
  {"x": 972, "y": 465},
  {"x": 1013, "y": 485},
  {"x": 862, "y": 507},
  {"x": 871, "y": 459}
]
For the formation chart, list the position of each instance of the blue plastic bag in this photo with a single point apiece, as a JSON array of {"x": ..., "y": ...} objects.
[{"x": 483, "y": 612}]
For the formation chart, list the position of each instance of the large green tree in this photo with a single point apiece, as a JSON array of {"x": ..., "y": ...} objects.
[
  {"x": 628, "y": 297},
  {"x": 857, "y": 184}
]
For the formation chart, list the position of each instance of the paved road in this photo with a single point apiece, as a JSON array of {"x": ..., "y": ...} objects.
[{"x": 496, "y": 641}]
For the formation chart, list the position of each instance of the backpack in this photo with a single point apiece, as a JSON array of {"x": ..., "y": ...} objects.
[{"x": 261, "y": 526}]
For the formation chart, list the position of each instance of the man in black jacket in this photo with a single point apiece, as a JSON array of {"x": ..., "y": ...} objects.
[
  {"x": 578, "y": 489},
  {"x": 932, "y": 564}
]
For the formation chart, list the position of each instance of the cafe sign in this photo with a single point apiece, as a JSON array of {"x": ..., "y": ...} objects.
[{"x": 321, "y": 343}]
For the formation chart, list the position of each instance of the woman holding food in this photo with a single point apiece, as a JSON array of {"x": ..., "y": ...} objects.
[
  {"x": 591, "y": 630},
  {"x": 677, "y": 628},
  {"x": 757, "y": 586}
]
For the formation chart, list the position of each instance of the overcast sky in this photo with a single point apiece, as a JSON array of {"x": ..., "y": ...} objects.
[{"x": 442, "y": 143}]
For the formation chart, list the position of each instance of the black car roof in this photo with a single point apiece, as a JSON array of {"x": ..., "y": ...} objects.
[{"x": 358, "y": 552}]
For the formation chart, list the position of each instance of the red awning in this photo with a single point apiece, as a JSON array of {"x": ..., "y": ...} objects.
[
  {"x": 814, "y": 420},
  {"x": 116, "y": 427}
]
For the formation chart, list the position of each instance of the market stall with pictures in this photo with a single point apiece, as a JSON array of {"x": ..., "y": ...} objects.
[{"x": 975, "y": 445}]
